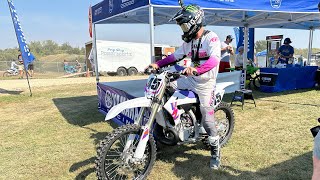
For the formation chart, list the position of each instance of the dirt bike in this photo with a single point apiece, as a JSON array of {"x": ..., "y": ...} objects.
[
  {"x": 129, "y": 152},
  {"x": 10, "y": 72},
  {"x": 253, "y": 75}
]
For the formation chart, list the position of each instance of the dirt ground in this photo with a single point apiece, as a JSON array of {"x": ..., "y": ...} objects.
[{"x": 22, "y": 85}]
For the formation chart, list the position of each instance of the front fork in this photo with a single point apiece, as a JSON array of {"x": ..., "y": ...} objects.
[{"x": 144, "y": 138}]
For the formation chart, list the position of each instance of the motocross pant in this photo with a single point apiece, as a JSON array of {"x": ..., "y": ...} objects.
[{"x": 205, "y": 91}]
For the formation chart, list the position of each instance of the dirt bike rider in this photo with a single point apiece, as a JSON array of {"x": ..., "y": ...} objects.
[
  {"x": 203, "y": 47},
  {"x": 14, "y": 66}
]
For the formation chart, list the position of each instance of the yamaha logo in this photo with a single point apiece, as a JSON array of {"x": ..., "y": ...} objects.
[
  {"x": 108, "y": 99},
  {"x": 110, "y": 6},
  {"x": 275, "y": 3}
]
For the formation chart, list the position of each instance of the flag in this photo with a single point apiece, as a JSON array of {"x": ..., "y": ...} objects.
[
  {"x": 90, "y": 21},
  {"x": 27, "y": 56},
  {"x": 239, "y": 32}
]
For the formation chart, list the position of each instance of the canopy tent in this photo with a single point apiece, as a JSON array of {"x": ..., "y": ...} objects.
[{"x": 289, "y": 14}]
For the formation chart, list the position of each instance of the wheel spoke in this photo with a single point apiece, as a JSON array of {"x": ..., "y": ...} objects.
[
  {"x": 117, "y": 164},
  {"x": 113, "y": 169},
  {"x": 121, "y": 141}
]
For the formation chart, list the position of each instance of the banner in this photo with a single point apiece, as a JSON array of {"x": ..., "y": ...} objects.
[
  {"x": 236, "y": 33},
  {"x": 240, "y": 42},
  {"x": 90, "y": 21},
  {"x": 23, "y": 47}
]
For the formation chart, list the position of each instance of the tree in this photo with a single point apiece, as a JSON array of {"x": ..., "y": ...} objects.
[
  {"x": 43, "y": 48},
  {"x": 260, "y": 45}
]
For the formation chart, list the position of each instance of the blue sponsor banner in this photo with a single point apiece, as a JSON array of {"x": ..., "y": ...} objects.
[
  {"x": 27, "y": 56},
  {"x": 110, "y": 96},
  {"x": 236, "y": 33},
  {"x": 250, "y": 42},
  {"x": 108, "y": 8}
]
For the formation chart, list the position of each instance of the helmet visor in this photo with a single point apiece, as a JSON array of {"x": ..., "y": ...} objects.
[{"x": 185, "y": 27}]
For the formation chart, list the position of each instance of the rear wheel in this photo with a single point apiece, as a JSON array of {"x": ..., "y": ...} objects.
[
  {"x": 132, "y": 71},
  {"x": 114, "y": 162},
  {"x": 121, "y": 71},
  {"x": 256, "y": 82}
]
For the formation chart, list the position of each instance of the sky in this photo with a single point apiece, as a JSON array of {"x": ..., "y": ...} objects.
[{"x": 67, "y": 21}]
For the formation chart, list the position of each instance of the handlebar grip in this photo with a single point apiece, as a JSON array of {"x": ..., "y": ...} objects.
[{"x": 195, "y": 73}]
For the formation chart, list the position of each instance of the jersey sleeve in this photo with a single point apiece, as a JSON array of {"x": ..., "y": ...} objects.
[
  {"x": 180, "y": 52},
  {"x": 214, "y": 46}
]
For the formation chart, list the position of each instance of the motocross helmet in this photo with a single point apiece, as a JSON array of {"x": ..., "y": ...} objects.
[{"x": 190, "y": 19}]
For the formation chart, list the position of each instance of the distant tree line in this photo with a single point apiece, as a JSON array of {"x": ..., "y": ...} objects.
[{"x": 41, "y": 49}]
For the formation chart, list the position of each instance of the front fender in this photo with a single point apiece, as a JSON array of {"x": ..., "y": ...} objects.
[{"x": 137, "y": 102}]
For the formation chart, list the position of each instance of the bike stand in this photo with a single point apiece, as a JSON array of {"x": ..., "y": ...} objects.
[{"x": 241, "y": 95}]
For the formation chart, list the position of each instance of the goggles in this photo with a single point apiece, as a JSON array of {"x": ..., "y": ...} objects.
[{"x": 185, "y": 27}]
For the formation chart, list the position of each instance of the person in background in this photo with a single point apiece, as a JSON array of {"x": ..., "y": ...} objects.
[
  {"x": 78, "y": 66},
  {"x": 285, "y": 52},
  {"x": 226, "y": 51},
  {"x": 238, "y": 63},
  {"x": 31, "y": 66},
  {"x": 20, "y": 66},
  {"x": 13, "y": 66},
  {"x": 91, "y": 59},
  {"x": 316, "y": 158}
]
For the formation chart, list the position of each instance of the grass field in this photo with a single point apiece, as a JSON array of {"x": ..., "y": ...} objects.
[{"x": 54, "y": 135}]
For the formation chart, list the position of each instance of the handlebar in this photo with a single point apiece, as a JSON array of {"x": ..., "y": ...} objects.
[{"x": 151, "y": 70}]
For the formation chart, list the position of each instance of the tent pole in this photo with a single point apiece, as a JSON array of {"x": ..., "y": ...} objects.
[
  {"x": 151, "y": 22},
  {"x": 245, "y": 52},
  {"x": 310, "y": 45},
  {"x": 94, "y": 45}
]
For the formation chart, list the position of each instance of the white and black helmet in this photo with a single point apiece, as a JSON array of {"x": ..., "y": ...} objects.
[{"x": 190, "y": 18}]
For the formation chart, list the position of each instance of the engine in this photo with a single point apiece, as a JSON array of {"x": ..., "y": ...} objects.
[{"x": 186, "y": 128}]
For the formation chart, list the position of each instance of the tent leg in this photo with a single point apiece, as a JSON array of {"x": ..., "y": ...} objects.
[
  {"x": 310, "y": 45},
  {"x": 151, "y": 22},
  {"x": 94, "y": 45},
  {"x": 245, "y": 53}
]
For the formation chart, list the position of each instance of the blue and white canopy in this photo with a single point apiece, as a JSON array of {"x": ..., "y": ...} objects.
[{"x": 288, "y": 14}]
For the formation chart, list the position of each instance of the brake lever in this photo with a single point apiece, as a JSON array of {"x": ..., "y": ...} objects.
[{"x": 194, "y": 73}]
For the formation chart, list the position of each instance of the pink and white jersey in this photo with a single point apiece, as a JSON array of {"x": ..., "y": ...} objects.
[{"x": 210, "y": 46}]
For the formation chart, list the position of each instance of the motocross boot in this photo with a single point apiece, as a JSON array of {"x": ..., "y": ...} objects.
[{"x": 215, "y": 152}]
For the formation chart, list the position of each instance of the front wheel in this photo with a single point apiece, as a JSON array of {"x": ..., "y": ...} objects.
[
  {"x": 224, "y": 122},
  {"x": 6, "y": 74},
  {"x": 113, "y": 162}
]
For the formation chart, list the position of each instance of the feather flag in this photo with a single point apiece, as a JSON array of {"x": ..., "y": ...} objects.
[{"x": 23, "y": 47}]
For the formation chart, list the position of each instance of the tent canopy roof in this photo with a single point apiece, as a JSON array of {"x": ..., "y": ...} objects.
[{"x": 289, "y": 14}]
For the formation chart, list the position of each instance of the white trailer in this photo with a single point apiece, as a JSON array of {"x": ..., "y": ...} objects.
[{"x": 124, "y": 58}]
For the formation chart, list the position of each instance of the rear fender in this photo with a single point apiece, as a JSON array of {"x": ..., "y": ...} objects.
[{"x": 137, "y": 102}]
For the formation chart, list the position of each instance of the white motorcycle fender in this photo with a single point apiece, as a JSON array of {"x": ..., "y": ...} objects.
[{"x": 137, "y": 102}]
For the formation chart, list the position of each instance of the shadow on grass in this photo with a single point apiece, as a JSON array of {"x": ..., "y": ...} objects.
[
  {"x": 261, "y": 95},
  {"x": 79, "y": 111},
  {"x": 4, "y": 91},
  {"x": 197, "y": 166},
  {"x": 82, "y": 111}
]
